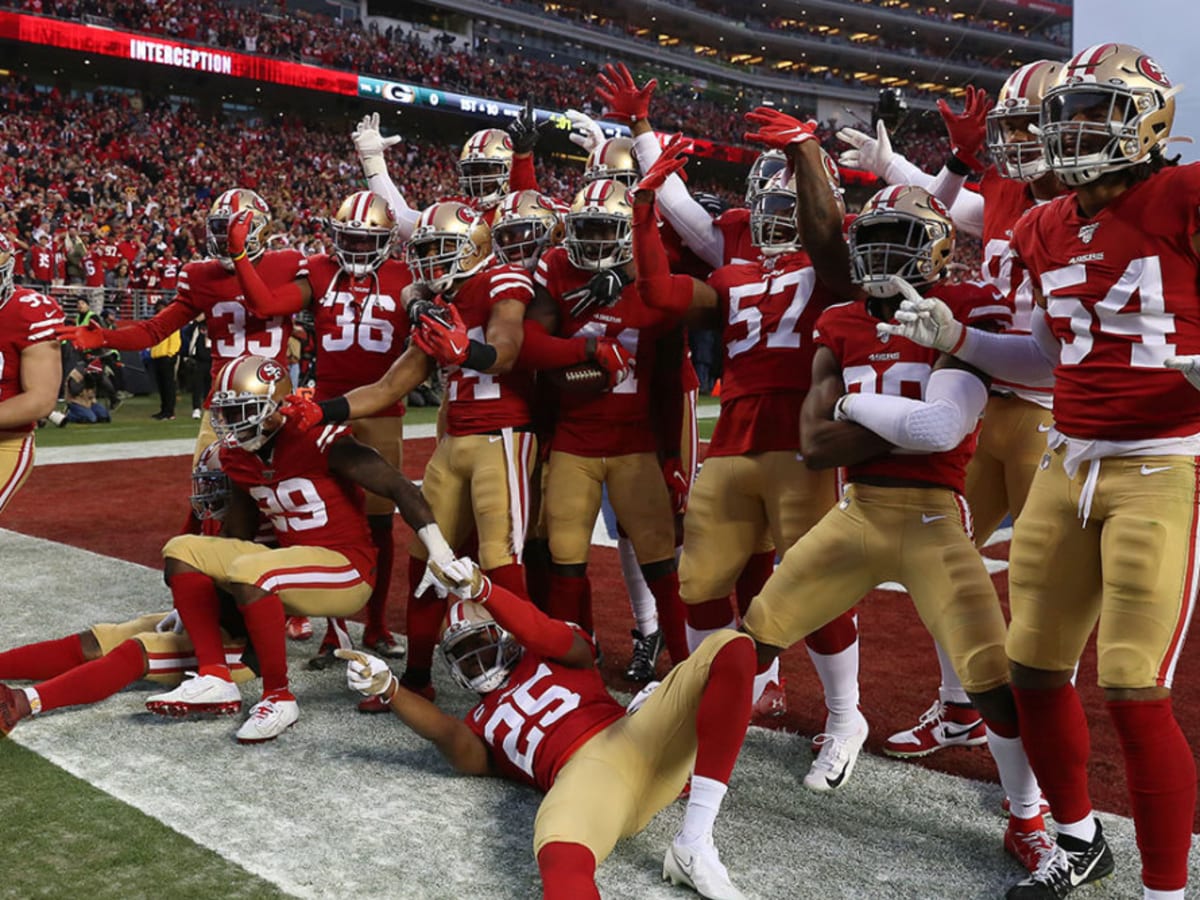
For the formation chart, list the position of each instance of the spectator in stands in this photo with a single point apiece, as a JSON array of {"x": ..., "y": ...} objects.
[{"x": 82, "y": 405}]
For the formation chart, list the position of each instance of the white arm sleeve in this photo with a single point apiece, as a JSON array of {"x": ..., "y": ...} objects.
[
  {"x": 967, "y": 212},
  {"x": 690, "y": 220},
  {"x": 406, "y": 217},
  {"x": 954, "y": 401},
  {"x": 1022, "y": 358},
  {"x": 901, "y": 171}
]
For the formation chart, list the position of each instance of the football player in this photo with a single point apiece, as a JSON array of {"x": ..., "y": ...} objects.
[
  {"x": 545, "y": 719},
  {"x": 361, "y": 327},
  {"x": 94, "y": 664},
  {"x": 903, "y": 517},
  {"x": 30, "y": 371},
  {"x": 754, "y": 486},
  {"x": 1108, "y": 531},
  {"x": 308, "y": 483},
  {"x": 210, "y": 288}
]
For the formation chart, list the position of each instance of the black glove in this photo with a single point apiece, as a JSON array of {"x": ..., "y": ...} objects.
[
  {"x": 604, "y": 289},
  {"x": 524, "y": 130},
  {"x": 429, "y": 309}
]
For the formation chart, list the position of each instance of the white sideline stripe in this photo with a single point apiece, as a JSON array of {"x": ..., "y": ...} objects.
[{"x": 341, "y": 791}]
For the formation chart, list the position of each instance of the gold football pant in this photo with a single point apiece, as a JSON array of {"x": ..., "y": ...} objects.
[
  {"x": 168, "y": 653},
  {"x": 16, "y": 462},
  {"x": 1132, "y": 566},
  {"x": 619, "y": 780},
  {"x": 915, "y": 536}
]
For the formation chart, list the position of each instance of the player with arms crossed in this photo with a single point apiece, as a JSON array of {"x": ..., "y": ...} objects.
[
  {"x": 545, "y": 719},
  {"x": 1108, "y": 533}
]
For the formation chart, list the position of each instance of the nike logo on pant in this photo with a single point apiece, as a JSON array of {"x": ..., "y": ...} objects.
[
  {"x": 1151, "y": 470},
  {"x": 927, "y": 519}
]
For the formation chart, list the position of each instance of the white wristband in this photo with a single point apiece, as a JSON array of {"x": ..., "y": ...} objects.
[{"x": 439, "y": 551}]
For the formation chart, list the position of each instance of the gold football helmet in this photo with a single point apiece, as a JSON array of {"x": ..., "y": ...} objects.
[
  {"x": 1109, "y": 108},
  {"x": 904, "y": 231},
  {"x": 600, "y": 227},
  {"x": 480, "y": 653},
  {"x": 217, "y": 226},
  {"x": 363, "y": 232},
  {"x": 450, "y": 242},
  {"x": 1011, "y": 133},
  {"x": 766, "y": 164},
  {"x": 8, "y": 261},
  {"x": 247, "y": 392},
  {"x": 210, "y": 485},
  {"x": 527, "y": 223},
  {"x": 613, "y": 159},
  {"x": 773, "y": 209},
  {"x": 484, "y": 166}
]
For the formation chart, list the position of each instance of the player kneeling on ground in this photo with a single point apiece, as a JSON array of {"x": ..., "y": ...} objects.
[
  {"x": 309, "y": 484},
  {"x": 606, "y": 773}
]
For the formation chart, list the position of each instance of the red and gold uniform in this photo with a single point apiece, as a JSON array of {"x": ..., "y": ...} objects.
[
  {"x": 325, "y": 562},
  {"x": 1109, "y": 529},
  {"x": 903, "y": 517},
  {"x": 26, "y": 319}
]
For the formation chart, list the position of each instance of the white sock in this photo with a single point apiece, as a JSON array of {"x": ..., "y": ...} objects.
[
  {"x": 761, "y": 681},
  {"x": 696, "y": 636},
  {"x": 641, "y": 601},
  {"x": 951, "y": 690},
  {"x": 338, "y": 626},
  {"x": 1152, "y": 894},
  {"x": 704, "y": 802},
  {"x": 35, "y": 700},
  {"x": 1017, "y": 779},
  {"x": 1084, "y": 829},
  {"x": 839, "y": 677}
]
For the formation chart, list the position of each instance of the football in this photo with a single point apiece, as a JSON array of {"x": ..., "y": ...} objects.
[{"x": 584, "y": 377}]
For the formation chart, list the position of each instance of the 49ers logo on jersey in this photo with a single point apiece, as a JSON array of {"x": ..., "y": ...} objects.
[
  {"x": 1153, "y": 71},
  {"x": 270, "y": 372}
]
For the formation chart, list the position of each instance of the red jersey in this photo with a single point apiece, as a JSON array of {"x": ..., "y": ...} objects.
[
  {"x": 109, "y": 254},
  {"x": 42, "y": 263},
  {"x": 361, "y": 325},
  {"x": 735, "y": 228},
  {"x": 207, "y": 288},
  {"x": 27, "y": 318},
  {"x": 618, "y": 421},
  {"x": 545, "y": 712},
  {"x": 1122, "y": 293},
  {"x": 769, "y": 308},
  {"x": 168, "y": 272},
  {"x": 93, "y": 269},
  {"x": 308, "y": 505},
  {"x": 478, "y": 403},
  {"x": 898, "y": 367}
]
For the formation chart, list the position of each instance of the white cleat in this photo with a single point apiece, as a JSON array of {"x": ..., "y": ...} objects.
[
  {"x": 836, "y": 759},
  {"x": 268, "y": 720},
  {"x": 697, "y": 866},
  {"x": 198, "y": 694}
]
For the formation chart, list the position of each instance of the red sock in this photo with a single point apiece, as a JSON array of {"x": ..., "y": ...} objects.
[
  {"x": 264, "y": 625},
  {"x": 37, "y": 662},
  {"x": 1054, "y": 731},
  {"x": 95, "y": 680},
  {"x": 754, "y": 575},
  {"x": 511, "y": 577},
  {"x": 709, "y": 615},
  {"x": 568, "y": 872},
  {"x": 665, "y": 589},
  {"x": 1161, "y": 773},
  {"x": 200, "y": 611},
  {"x": 568, "y": 597},
  {"x": 724, "y": 712},
  {"x": 835, "y": 636},
  {"x": 423, "y": 622},
  {"x": 385, "y": 546}
]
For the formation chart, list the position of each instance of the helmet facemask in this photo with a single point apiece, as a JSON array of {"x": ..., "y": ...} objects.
[
  {"x": 484, "y": 180},
  {"x": 436, "y": 260},
  {"x": 773, "y": 222},
  {"x": 767, "y": 165},
  {"x": 597, "y": 240},
  {"x": 210, "y": 486},
  {"x": 520, "y": 242},
  {"x": 1014, "y": 145},
  {"x": 481, "y": 655},
  {"x": 896, "y": 243},
  {"x": 361, "y": 250},
  {"x": 240, "y": 420},
  {"x": 8, "y": 261}
]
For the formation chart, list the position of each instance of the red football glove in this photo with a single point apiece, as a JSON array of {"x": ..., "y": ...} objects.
[
  {"x": 447, "y": 342},
  {"x": 777, "y": 129},
  {"x": 85, "y": 337},
  {"x": 239, "y": 230},
  {"x": 301, "y": 410},
  {"x": 613, "y": 359},
  {"x": 670, "y": 163},
  {"x": 967, "y": 129},
  {"x": 620, "y": 93},
  {"x": 677, "y": 484}
]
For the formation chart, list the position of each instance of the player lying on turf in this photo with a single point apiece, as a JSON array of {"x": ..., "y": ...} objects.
[{"x": 544, "y": 718}]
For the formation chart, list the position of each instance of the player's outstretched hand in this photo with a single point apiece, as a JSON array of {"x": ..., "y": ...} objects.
[
  {"x": 777, "y": 129},
  {"x": 585, "y": 132},
  {"x": 445, "y": 339},
  {"x": 874, "y": 154},
  {"x": 463, "y": 578},
  {"x": 614, "y": 359},
  {"x": 620, "y": 93},
  {"x": 923, "y": 320},
  {"x": 303, "y": 411},
  {"x": 367, "y": 674},
  {"x": 85, "y": 337}
]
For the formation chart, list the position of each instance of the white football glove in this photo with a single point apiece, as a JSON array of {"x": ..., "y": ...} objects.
[
  {"x": 923, "y": 320},
  {"x": 1189, "y": 366},
  {"x": 461, "y": 577},
  {"x": 370, "y": 145},
  {"x": 429, "y": 581},
  {"x": 585, "y": 133},
  {"x": 871, "y": 153},
  {"x": 367, "y": 674},
  {"x": 170, "y": 622}
]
